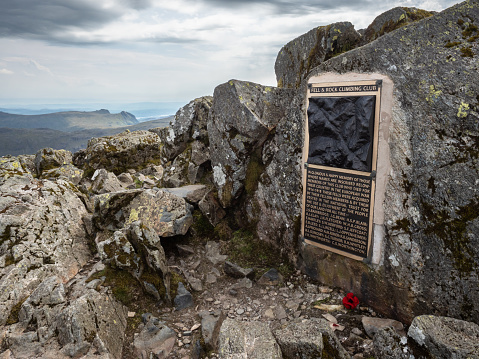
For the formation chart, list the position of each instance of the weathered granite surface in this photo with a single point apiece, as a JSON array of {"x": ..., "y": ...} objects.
[{"x": 429, "y": 264}]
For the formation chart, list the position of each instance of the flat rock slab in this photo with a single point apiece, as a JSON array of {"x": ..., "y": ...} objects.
[
  {"x": 445, "y": 337},
  {"x": 247, "y": 340}
]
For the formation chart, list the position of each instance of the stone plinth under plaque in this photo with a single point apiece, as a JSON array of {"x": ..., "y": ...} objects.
[{"x": 340, "y": 159}]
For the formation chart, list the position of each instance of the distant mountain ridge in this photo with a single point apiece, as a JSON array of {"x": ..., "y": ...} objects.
[
  {"x": 69, "y": 121},
  {"x": 17, "y": 141}
]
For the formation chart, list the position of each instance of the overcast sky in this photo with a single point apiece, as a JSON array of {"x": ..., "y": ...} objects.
[{"x": 57, "y": 51}]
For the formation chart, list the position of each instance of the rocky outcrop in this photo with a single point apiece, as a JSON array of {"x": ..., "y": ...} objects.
[
  {"x": 429, "y": 263},
  {"x": 41, "y": 230},
  {"x": 259, "y": 157},
  {"x": 298, "y": 57},
  {"x": 119, "y": 152},
  {"x": 185, "y": 151},
  {"x": 391, "y": 20},
  {"x": 166, "y": 213},
  {"x": 242, "y": 117}
]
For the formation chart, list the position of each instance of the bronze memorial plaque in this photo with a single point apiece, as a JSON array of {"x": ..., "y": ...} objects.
[{"x": 340, "y": 155}]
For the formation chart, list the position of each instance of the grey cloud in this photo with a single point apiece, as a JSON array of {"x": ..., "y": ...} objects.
[
  {"x": 294, "y": 7},
  {"x": 40, "y": 19}
]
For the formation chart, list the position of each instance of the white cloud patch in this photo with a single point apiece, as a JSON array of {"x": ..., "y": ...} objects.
[{"x": 5, "y": 72}]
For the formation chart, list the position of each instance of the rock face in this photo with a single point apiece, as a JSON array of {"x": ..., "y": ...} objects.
[
  {"x": 41, "y": 230},
  {"x": 430, "y": 259},
  {"x": 300, "y": 56},
  {"x": 254, "y": 135},
  {"x": 185, "y": 151}
]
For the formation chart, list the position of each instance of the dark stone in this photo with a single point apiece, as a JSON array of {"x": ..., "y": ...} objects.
[
  {"x": 183, "y": 299},
  {"x": 235, "y": 271},
  {"x": 271, "y": 277}
]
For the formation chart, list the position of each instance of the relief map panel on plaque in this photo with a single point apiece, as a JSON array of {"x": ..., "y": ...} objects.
[{"x": 340, "y": 154}]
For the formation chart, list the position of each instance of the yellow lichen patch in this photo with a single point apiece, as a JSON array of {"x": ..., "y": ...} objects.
[
  {"x": 433, "y": 93},
  {"x": 462, "y": 111},
  {"x": 134, "y": 215}
]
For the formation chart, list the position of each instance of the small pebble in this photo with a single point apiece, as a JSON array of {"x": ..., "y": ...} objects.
[{"x": 239, "y": 311}]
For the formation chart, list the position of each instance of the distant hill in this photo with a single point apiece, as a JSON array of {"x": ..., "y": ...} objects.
[
  {"x": 68, "y": 121},
  {"x": 15, "y": 141}
]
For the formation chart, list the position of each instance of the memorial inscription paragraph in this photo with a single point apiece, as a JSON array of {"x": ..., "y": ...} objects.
[{"x": 337, "y": 210}]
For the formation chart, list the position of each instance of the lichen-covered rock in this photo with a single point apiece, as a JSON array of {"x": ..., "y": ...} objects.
[
  {"x": 211, "y": 208},
  {"x": 185, "y": 153},
  {"x": 188, "y": 125},
  {"x": 298, "y": 57},
  {"x": 41, "y": 234},
  {"x": 443, "y": 337},
  {"x": 389, "y": 344},
  {"x": 167, "y": 214},
  {"x": 154, "y": 340},
  {"x": 391, "y": 20},
  {"x": 16, "y": 166},
  {"x": 66, "y": 172},
  {"x": 242, "y": 117},
  {"x": 48, "y": 158},
  {"x": 92, "y": 317},
  {"x": 309, "y": 339},
  {"x": 138, "y": 250},
  {"x": 105, "y": 182},
  {"x": 247, "y": 340},
  {"x": 430, "y": 258},
  {"x": 119, "y": 152},
  {"x": 60, "y": 323}
]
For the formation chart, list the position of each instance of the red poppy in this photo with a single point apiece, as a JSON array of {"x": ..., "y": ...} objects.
[{"x": 350, "y": 301}]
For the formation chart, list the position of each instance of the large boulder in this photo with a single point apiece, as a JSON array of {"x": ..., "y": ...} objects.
[
  {"x": 138, "y": 250},
  {"x": 120, "y": 152},
  {"x": 299, "y": 56},
  {"x": 247, "y": 340},
  {"x": 166, "y": 213},
  {"x": 391, "y": 20},
  {"x": 58, "y": 322},
  {"x": 185, "y": 151},
  {"x": 41, "y": 233},
  {"x": 312, "y": 338},
  {"x": 188, "y": 125},
  {"x": 242, "y": 117},
  {"x": 443, "y": 337},
  {"x": 48, "y": 158},
  {"x": 430, "y": 254}
]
